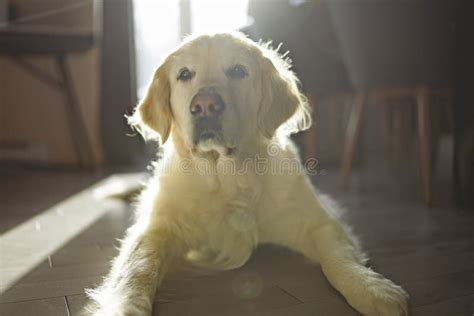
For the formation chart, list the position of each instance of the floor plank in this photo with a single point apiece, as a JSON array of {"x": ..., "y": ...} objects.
[
  {"x": 44, "y": 188},
  {"x": 43, "y": 307},
  {"x": 76, "y": 304},
  {"x": 320, "y": 307},
  {"x": 48, "y": 289},
  {"x": 460, "y": 306},
  {"x": 441, "y": 288},
  {"x": 421, "y": 263},
  {"x": 231, "y": 301}
]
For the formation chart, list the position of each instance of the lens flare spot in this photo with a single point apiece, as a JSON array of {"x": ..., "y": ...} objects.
[{"x": 247, "y": 285}]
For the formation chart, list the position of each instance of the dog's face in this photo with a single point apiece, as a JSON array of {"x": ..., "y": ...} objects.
[
  {"x": 219, "y": 93},
  {"x": 213, "y": 93}
]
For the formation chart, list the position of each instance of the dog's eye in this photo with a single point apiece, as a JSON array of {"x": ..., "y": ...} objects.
[
  {"x": 237, "y": 72},
  {"x": 185, "y": 74}
]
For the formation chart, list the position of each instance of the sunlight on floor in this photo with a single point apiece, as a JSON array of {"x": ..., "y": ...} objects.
[{"x": 30, "y": 243}]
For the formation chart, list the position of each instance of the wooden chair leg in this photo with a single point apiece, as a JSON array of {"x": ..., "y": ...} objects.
[
  {"x": 310, "y": 136},
  {"x": 422, "y": 99},
  {"x": 352, "y": 135},
  {"x": 334, "y": 118},
  {"x": 399, "y": 126}
]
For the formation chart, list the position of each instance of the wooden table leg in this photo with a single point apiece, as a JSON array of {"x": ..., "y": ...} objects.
[{"x": 80, "y": 137}]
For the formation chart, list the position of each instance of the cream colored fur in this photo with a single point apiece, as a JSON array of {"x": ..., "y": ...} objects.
[{"x": 214, "y": 218}]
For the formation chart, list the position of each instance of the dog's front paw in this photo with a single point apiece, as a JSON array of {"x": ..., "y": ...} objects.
[{"x": 381, "y": 297}]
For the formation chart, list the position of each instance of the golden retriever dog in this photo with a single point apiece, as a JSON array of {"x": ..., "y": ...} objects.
[{"x": 223, "y": 107}]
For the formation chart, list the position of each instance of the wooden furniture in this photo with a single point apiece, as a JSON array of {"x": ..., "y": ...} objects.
[
  {"x": 421, "y": 97},
  {"x": 20, "y": 41},
  {"x": 387, "y": 59}
]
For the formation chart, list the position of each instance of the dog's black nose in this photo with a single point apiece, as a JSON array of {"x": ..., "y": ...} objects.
[{"x": 207, "y": 103}]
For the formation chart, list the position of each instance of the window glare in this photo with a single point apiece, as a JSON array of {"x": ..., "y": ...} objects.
[
  {"x": 218, "y": 15},
  {"x": 156, "y": 35}
]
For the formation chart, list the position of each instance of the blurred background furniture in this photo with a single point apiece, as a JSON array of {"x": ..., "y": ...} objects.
[
  {"x": 395, "y": 54},
  {"x": 389, "y": 59},
  {"x": 20, "y": 41},
  {"x": 43, "y": 45}
]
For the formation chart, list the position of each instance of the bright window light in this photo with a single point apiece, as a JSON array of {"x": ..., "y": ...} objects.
[
  {"x": 156, "y": 34},
  {"x": 218, "y": 15}
]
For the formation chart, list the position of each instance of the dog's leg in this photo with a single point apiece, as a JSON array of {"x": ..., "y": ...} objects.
[
  {"x": 130, "y": 287},
  {"x": 366, "y": 290},
  {"x": 311, "y": 229}
]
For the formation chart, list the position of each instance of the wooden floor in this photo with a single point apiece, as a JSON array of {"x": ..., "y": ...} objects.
[{"x": 428, "y": 251}]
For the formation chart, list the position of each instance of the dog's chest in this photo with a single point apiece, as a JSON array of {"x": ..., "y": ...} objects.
[{"x": 228, "y": 222}]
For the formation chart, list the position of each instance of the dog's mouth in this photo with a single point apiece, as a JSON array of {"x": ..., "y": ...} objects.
[
  {"x": 208, "y": 140},
  {"x": 208, "y": 135},
  {"x": 209, "y": 147},
  {"x": 207, "y": 129}
]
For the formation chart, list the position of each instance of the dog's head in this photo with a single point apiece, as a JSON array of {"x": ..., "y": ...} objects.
[{"x": 220, "y": 92}]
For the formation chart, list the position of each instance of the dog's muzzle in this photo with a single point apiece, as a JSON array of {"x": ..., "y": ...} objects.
[{"x": 206, "y": 108}]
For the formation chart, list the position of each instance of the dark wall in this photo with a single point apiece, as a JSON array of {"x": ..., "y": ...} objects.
[{"x": 464, "y": 105}]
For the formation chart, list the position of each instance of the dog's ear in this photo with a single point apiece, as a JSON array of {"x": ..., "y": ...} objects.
[
  {"x": 283, "y": 106},
  {"x": 152, "y": 116}
]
